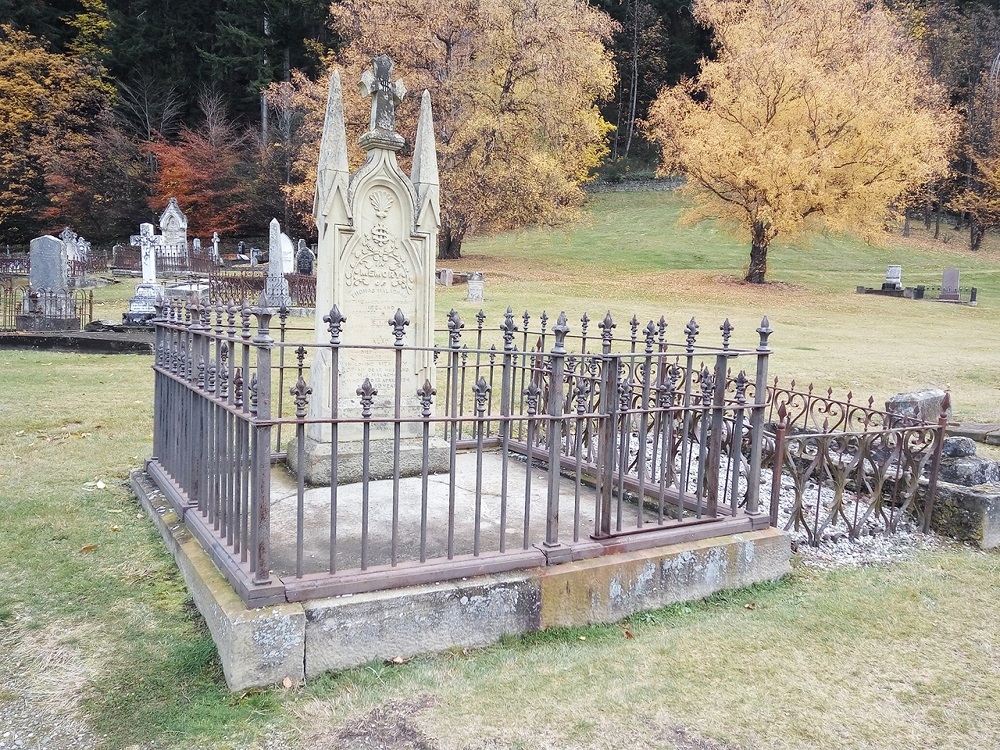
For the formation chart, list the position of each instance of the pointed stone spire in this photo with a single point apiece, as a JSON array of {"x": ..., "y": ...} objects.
[
  {"x": 333, "y": 167},
  {"x": 274, "y": 244},
  {"x": 425, "y": 169}
]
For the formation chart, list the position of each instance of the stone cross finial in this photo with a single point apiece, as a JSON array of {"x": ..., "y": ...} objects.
[{"x": 385, "y": 93}]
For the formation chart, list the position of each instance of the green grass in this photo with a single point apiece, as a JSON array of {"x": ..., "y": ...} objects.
[{"x": 891, "y": 658}]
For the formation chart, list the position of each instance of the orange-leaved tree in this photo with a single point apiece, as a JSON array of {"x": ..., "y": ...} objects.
[
  {"x": 514, "y": 85},
  {"x": 207, "y": 171},
  {"x": 812, "y": 113}
]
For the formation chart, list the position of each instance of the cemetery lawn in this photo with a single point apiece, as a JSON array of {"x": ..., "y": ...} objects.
[{"x": 96, "y": 626}]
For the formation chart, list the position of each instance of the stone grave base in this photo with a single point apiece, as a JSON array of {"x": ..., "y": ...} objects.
[
  {"x": 301, "y": 640},
  {"x": 380, "y": 463},
  {"x": 968, "y": 514},
  {"x": 34, "y": 323}
]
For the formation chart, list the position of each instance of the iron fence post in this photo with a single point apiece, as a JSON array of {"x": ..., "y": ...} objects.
[
  {"x": 261, "y": 468},
  {"x": 608, "y": 405},
  {"x": 760, "y": 400},
  {"x": 555, "y": 410},
  {"x": 932, "y": 480}
]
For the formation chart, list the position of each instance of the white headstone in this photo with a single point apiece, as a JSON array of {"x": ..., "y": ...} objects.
[
  {"x": 893, "y": 278},
  {"x": 147, "y": 250},
  {"x": 173, "y": 226},
  {"x": 377, "y": 244},
  {"x": 276, "y": 285},
  {"x": 287, "y": 254},
  {"x": 215, "y": 245}
]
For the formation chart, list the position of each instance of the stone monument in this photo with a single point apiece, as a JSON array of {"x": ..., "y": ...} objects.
[
  {"x": 893, "y": 279},
  {"x": 173, "y": 228},
  {"x": 142, "y": 306},
  {"x": 48, "y": 304},
  {"x": 287, "y": 254},
  {"x": 378, "y": 234},
  {"x": 949, "y": 285},
  {"x": 276, "y": 285},
  {"x": 305, "y": 259}
]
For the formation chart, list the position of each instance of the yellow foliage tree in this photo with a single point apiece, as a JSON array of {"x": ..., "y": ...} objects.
[
  {"x": 514, "y": 85},
  {"x": 813, "y": 113}
]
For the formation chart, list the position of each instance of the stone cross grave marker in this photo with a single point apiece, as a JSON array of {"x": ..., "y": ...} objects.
[
  {"x": 147, "y": 250},
  {"x": 375, "y": 262},
  {"x": 949, "y": 285}
]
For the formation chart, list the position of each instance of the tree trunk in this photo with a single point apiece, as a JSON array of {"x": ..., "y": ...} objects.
[
  {"x": 937, "y": 222},
  {"x": 906, "y": 223},
  {"x": 927, "y": 215},
  {"x": 450, "y": 244},
  {"x": 976, "y": 233},
  {"x": 758, "y": 254}
]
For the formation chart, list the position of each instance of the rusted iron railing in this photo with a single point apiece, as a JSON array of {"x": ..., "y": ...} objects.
[
  {"x": 847, "y": 469},
  {"x": 47, "y": 304},
  {"x": 233, "y": 287},
  {"x": 171, "y": 260},
  {"x": 557, "y": 446}
]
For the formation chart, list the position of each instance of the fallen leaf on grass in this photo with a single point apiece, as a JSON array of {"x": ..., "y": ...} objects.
[
  {"x": 286, "y": 683},
  {"x": 750, "y": 605},
  {"x": 100, "y": 485},
  {"x": 582, "y": 637},
  {"x": 116, "y": 528},
  {"x": 399, "y": 660},
  {"x": 88, "y": 548},
  {"x": 19, "y": 433},
  {"x": 628, "y": 634}
]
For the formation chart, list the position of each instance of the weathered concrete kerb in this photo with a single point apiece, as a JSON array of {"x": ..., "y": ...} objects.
[{"x": 264, "y": 646}]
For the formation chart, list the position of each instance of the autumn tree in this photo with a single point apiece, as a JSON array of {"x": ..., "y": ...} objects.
[
  {"x": 514, "y": 85},
  {"x": 48, "y": 103},
  {"x": 812, "y": 113},
  {"x": 205, "y": 169}
]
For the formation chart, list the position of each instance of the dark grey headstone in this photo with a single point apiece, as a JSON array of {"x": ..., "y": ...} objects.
[
  {"x": 949, "y": 284},
  {"x": 304, "y": 260},
  {"x": 49, "y": 263}
]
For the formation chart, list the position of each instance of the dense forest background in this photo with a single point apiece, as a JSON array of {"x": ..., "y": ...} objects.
[{"x": 109, "y": 107}]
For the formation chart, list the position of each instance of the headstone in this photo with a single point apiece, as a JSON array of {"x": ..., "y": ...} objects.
[
  {"x": 893, "y": 279},
  {"x": 949, "y": 285},
  {"x": 215, "y": 246},
  {"x": 276, "y": 285},
  {"x": 305, "y": 259},
  {"x": 287, "y": 254},
  {"x": 445, "y": 276},
  {"x": 377, "y": 243},
  {"x": 76, "y": 246},
  {"x": 476, "y": 285},
  {"x": 48, "y": 305},
  {"x": 49, "y": 263},
  {"x": 173, "y": 227},
  {"x": 142, "y": 306},
  {"x": 147, "y": 250},
  {"x": 196, "y": 246}
]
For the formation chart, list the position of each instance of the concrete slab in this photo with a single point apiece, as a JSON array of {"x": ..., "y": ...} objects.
[{"x": 263, "y": 646}]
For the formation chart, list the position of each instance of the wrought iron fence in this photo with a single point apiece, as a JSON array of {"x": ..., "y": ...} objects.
[
  {"x": 44, "y": 304},
  {"x": 846, "y": 468},
  {"x": 563, "y": 438},
  {"x": 555, "y": 445},
  {"x": 14, "y": 265},
  {"x": 235, "y": 287},
  {"x": 171, "y": 260}
]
